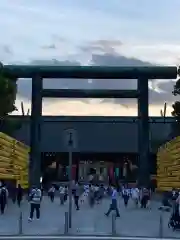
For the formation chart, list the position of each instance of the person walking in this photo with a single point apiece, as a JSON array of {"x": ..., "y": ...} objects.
[
  {"x": 62, "y": 194},
  {"x": 19, "y": 195},
  {"x": 51, "y": 193},
  {"x": 145, "y": 197},
  {"x": 91, "y": 196},
  {"x": 113, "y": 205},
  {"x": 135, "y": 196},
  {"x": 126, "y": 195},
  {"x": 66, "y": 189},
  {"x": 76, "y": 196},
  {"x": 3, "y": 198},
  {"x": 35, "y": 202}
]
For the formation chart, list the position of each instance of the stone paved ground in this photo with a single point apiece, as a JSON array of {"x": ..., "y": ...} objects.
[{"x": 133, "y": 222}]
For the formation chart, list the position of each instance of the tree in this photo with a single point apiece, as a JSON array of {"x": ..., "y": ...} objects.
[
  {"x": 176, "y": 109},
  {"x": 8, "y": 90}
]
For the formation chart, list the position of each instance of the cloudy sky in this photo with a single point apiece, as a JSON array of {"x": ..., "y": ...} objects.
[{"x": 96, "y": 32}]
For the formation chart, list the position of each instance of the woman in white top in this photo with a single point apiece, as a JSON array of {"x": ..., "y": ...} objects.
[{"x": 135, "y": 195}]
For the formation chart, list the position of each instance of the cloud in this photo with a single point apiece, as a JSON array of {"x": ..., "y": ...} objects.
[
  {"x": 69, "y": 32},
  {"x": 5, "y": 52},
  {"x": 101, "y": 46},
  {"x": 159, "y": 90}
]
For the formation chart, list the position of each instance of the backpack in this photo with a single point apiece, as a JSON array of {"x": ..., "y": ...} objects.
[{"x": 34, "y": 192}]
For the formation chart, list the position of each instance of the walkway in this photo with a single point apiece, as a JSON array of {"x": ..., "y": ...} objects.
[{"x": 133, "y": 222}]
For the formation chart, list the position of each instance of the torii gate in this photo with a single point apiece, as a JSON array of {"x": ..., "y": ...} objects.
[{"x": 142, "y": 74}]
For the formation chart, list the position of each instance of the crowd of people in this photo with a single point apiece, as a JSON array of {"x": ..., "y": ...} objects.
[
  {"x": 91, "y": 193},
  {"x": 94, "y": 194}
]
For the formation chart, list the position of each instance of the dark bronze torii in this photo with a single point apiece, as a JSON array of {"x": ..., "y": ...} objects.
[{"x": 37, "y": 73}]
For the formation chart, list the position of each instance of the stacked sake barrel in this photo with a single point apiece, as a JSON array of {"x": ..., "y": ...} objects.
[
  {"x": 14, "y": 160},
  {"x": 168, "y": 165}
]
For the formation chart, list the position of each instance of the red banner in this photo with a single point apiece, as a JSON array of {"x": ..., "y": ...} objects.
[
  {"x": 111, "y": 172},
  {"x": 74, "y": 172}
]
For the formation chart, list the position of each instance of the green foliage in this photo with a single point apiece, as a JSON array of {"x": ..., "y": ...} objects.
[
  {"x": 175, "y": 128},
  {"x": 8, "y": 90},
  {"x": 176, "y": 110},
  {"x": 9, "y": 125},
  {"x": 176, "y": 105}
]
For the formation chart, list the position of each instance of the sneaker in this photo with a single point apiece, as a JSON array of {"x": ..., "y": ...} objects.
[{"x": 29, "y": 219}]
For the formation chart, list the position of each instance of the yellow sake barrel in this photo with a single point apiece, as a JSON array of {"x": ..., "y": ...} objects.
[
  {"x": 5, "y": 176},
  {"x": 5, "y": 154},
  {"x": 20, "y": 159},
  {"x": 22, "y": 146},
  {"x": 19, "y": 162},
  {"x": 6, "y": 159},
  {"x": 175, "y": 157},
  {"x": 164, "y": 188},
  {"x": 20, "y": 154},
  {"x": 6, "y": 148},
  {"x": 171, "y": 184},
  {"x": 6, "y": 170},
  {"x": 6, "y": 137},
  {"x": 6, "y": 143},
  {"x": 6, "y": 165},
  {"x": 173, "y": 168}
]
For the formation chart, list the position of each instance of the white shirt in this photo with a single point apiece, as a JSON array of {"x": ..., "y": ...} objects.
[
  {"x": 86, "y": 188},
  {"x": 114, "y": 194},
  {"x": 96, "y": 188},
  {"x": 62, "y": 190},
  {"x": 135, "y": 192},
  {"x": 126, "y": 191},
  {"x": 52, "y": 189}
]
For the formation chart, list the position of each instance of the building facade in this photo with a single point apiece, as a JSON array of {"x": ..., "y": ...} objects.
[
  {"x": 102, "y": 143},
  {"x": 95, "y": 134}
]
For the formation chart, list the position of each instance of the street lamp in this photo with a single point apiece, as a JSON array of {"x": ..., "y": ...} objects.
[{"x": 70, "y": 145}]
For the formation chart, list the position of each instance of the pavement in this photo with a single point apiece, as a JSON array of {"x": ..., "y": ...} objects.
[
  {"x": 76, "y": 238},
  {"x": 85, "y": 222}
]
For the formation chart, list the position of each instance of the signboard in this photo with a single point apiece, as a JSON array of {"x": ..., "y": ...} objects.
[{"x": 70, "y": 138}]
